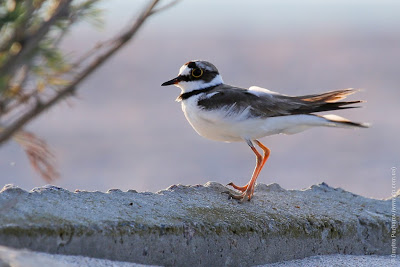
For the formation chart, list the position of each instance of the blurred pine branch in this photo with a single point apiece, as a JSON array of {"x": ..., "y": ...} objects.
[{"x": 34, "y": 73}]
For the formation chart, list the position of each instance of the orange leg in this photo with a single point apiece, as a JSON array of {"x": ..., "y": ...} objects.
[{"x": 248, "y": 189}]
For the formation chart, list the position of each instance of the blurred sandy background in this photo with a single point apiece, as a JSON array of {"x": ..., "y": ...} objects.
[{"x": 126, "y": 131}]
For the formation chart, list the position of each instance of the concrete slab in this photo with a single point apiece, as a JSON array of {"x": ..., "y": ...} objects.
[{"x": 196, "y": 225}]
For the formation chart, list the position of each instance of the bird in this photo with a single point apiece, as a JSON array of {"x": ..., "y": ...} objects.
[{"x": 227, "y": 113}]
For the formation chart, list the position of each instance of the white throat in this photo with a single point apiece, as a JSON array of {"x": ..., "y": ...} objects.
[{"x": 200, "y": 84}]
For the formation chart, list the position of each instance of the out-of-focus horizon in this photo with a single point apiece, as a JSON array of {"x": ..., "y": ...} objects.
[{"x": 125, "y": 131}]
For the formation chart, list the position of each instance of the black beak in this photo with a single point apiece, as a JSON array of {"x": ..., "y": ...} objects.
[{"x": 173, "y": 81}]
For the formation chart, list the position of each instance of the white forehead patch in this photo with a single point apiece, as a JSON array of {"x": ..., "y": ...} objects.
[{"x": 184, "y": 70}]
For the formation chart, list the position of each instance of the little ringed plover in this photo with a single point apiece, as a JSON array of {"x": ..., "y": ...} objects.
[{"x": 222, "y": 112}]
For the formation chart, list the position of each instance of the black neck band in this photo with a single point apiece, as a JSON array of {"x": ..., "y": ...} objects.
[{"x": 185, "y": 96}]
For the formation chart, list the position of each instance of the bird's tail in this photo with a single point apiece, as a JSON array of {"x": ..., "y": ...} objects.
[
  {"x": 331, "y": 96},
  {"x": 337, "y": 121}
]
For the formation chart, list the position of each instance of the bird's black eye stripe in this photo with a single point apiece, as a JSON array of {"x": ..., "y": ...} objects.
[{"x": 186, "y": 78}]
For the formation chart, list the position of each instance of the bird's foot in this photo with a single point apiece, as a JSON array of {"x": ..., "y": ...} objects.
[
  {"x": 247, "y": 194},
  {"x": 240, "y": 188}
]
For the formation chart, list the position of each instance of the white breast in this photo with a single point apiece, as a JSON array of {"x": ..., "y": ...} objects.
[{"x": 218, "y": 124}]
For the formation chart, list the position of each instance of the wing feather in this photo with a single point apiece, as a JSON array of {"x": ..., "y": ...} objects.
[{"x": 260, "y": 102}]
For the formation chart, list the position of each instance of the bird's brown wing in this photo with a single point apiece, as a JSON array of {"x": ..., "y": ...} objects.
[{"x": 269, "y": 104}]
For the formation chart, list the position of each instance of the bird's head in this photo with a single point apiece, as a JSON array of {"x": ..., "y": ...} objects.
[{"x": 195, "y": 75}]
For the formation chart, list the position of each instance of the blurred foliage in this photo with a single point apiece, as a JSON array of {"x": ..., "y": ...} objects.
[
  {"x": 30, "y": 32},
  {"x": 34, "y": 73},
  {"x": 32, "y": 67}
]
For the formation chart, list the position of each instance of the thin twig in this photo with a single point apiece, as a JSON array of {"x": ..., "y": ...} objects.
[
  {"x": 164, "y": 7},
  {"x": 91, "y": 52},
  {"x": 22, "y": 99}
]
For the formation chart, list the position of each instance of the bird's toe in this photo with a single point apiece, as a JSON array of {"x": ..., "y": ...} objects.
[{"x": 240, "y": 188}]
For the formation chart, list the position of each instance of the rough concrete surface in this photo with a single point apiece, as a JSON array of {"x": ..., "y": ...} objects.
[
  {"x": 196, "y": 225},
  {"x": 339, "y": 260},
  {"x": 10, "y": 257},
  {"x": 25, "y": 258}
]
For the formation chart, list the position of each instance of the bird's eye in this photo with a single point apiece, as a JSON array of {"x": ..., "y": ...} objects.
[{"x": 197, "y": 72}]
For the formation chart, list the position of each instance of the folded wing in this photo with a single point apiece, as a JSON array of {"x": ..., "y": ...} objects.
[{"x": 260, "y": 102}]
